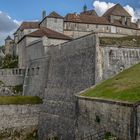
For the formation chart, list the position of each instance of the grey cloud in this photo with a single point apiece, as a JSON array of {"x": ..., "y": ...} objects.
[{"x": 7, "y": 24}]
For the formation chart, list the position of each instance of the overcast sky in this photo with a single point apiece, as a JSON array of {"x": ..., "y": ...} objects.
[{"x": 13, "y": 12}]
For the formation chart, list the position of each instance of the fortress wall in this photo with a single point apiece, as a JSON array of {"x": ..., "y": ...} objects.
[
  {"x": 34, "y": 51},
  {"x": 114, "y": 117},
  {"x": 12, "y": 77},
  {"x": 70, "y": 69},
  {"x": 18, "y": 121},
  {"x": 35, "y": 77},
  {"x": 116, "y": 59}
]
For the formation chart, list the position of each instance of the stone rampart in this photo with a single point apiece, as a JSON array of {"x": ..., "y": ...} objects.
[
  {"x": 118, "y": 118},
  {"x": 18, "y": 121},
  {"x": 12, "y": 77}
]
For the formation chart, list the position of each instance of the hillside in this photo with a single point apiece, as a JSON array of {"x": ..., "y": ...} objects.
[{"x": 123, "y": 87}]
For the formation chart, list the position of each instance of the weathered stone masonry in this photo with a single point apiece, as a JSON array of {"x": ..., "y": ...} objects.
[
  {"x": 18, "y": 121},
  {"x": 67, "y": 69}
]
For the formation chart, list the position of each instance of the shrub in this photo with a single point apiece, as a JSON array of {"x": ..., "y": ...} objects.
[{"x": 18, "y": 89}]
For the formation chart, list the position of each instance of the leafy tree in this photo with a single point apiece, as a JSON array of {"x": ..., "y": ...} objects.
[{"x": 10, "y": 61}]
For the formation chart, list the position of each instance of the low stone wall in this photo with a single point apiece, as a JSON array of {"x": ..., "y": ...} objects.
[
  {"x": 12, "y": 77},
  {"x": 119, "y": 118},
  {"x": 18, "y": 121}
]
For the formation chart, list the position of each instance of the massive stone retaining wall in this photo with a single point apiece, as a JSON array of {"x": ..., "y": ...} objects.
[
  {"x": 70, "y": 69},
  {"x": 18, "y": 121},
  {"x": 120, "y": 118}
]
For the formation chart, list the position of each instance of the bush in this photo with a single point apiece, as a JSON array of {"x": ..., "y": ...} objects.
[{"x": 18, "y": 89}]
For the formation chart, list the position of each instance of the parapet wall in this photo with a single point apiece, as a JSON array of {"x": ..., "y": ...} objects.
[
  {"x": 12, "y": 77},
  {"x": 117, "y": 58},
  {"x": 18, "y": 121}
]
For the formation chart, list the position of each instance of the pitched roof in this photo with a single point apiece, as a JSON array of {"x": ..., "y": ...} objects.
[
  {"x": 116, "y": 10},
  {"x": 90, "y": 12},
  {"x": 54, "y": 15},
  {"x": 48, "y": 33},
  {"x": 29, "y": 25},
  {"x": 84, "y": 18},
  {"x": 8, "y": 38},
  {"x": 88, "y": 19}
]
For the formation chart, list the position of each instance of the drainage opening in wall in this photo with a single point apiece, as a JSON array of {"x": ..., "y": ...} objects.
[{"x": 97, "y": 119}]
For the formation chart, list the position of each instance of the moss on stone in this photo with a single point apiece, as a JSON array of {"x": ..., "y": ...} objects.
[{"x": 19, "y": 100}]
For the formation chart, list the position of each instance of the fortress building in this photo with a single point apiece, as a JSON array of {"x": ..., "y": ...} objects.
[
  {"x": 55, "y": 29},
  {"x": 61, "y": 56}
]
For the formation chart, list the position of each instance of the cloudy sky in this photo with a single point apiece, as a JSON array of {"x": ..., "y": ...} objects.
[{"x": 13, "y": 12}]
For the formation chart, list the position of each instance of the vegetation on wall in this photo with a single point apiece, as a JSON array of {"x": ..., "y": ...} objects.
[
  {"x": 123, "y": 87},
  {"x": 18, "y": 89},
  {"x": 10, "y": 61},
  {"x": 19, "y": 100},
  {"x": 129, "y": 41},
  {"x": 109, "y": 136}
]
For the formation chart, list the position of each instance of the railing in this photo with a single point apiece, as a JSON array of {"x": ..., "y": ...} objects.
[
  {"x": 20, "y": 72},
  {"x": 15, "y": 71}
]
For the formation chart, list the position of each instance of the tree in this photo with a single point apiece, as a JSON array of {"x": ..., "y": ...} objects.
[{"x": 10, "y": 61}]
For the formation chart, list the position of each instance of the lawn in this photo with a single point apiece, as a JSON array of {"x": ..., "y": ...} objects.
[
  {"x": 123, "y": 87},
  {"x": 19, "y": 100}
]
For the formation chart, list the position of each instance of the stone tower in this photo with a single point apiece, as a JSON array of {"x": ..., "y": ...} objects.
[
  {"x": 53, "y": 21},
  {"x": 9, "y": 46}
]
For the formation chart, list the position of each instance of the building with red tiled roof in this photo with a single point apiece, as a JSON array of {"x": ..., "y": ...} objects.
[
  {"x": 28, "y": 44},
  {"x": 57, "y": 29}
]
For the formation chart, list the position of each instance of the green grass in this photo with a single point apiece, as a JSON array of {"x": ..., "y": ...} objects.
[
  {"x": 19, "y": 100},
  {"x": 129, "y": 41},
  {"x": 123, "y": 87}
]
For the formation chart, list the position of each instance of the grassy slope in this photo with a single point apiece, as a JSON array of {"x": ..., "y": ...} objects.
[
  {"x": 124, "y": 87},
  {"x": 129, "y": 41},
  {"x": 19, "y": 100}
]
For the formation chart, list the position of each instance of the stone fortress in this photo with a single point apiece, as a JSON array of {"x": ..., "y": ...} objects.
[{"x": 61, "y": 56}]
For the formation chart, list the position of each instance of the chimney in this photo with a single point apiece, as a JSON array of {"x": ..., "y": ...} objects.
[
  {"x": 43, "y": 14},
  {"x": 123, "y": 20},
  {"x": 138, "y": 23},
  {"x": 128, "y": 21}
]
